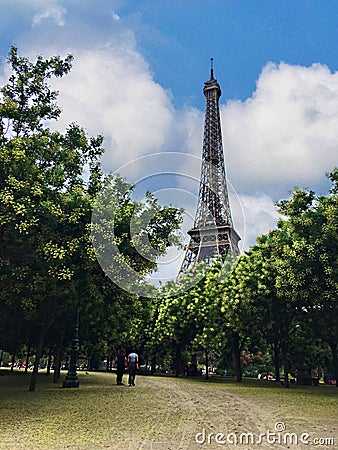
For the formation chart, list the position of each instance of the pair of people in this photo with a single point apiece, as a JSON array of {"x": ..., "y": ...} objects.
[{"x": 122, "y": 361}]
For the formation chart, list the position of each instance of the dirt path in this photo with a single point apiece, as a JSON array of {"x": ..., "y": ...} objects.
[{"x": 190, "y": 415}]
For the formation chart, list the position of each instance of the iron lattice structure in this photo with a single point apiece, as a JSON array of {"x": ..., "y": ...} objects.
[{"x": 212, "y": 234}]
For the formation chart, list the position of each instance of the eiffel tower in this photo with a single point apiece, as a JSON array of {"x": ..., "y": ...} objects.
[{"x": 213, "y": 234}]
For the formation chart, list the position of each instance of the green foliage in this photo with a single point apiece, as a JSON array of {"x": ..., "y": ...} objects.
[
  {"x": 309, "y": 265},
  {"x": 128, "y": 235},
  {"x": 48, "y": 267},
  {"x": 27, "y": 99},
  {"x": 281, "y": 294},
  {"x": 45, "y": 205}
]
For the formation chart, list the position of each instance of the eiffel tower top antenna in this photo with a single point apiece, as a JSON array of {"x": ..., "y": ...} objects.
[{"x": 211, "y": 68}]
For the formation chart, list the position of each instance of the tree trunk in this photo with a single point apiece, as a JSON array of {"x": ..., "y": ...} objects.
[
  {"x": 177, "y": 360},
  {"x": 276, "y": 360},
  {"x": 89, "y": 362},
  {"x": 153, "y": 365},
  {"x": 333, "y": 346},
  {"x": 38, "y": 354},
  {"x": 206, "y": 365},
  {"x": 57, "y": 364},
  {"x": 12, "y": 363},
  {"x": 236, "y": 348},
  {"x": 57, "y": 357},
  {"x": 49, "y": 363},
  {"x": 28, "y": 356},
  {"x": 285, "y": 365}
]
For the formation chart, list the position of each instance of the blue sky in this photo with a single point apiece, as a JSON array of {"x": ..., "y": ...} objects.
[
  {"x": 241, "y": 35},
  {"x": 138, "y": 76}
]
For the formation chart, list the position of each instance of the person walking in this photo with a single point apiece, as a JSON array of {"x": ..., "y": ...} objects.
[
  {"x": 121, "y": 362},
  {"x": 132, "y": 366}
]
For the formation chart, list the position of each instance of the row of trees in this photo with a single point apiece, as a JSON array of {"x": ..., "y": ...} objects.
[
  {"x": 49, "y": 181},
  {"x": 278, "y": 299}
]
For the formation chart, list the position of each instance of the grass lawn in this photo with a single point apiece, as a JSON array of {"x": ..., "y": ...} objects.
[{"x": 159, "y": 413}]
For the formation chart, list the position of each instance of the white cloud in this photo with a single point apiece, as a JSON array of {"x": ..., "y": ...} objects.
[
  {"x": 189, "y": 126},
  {"x": 111, "y": 92},
  {"x": 286, "y": 133},
  {"x": 55, "y": 12},
  {"x": 116, "y": 17},
  {"x": 253, "y": 216},
  {"x": 35, "y": 10}
]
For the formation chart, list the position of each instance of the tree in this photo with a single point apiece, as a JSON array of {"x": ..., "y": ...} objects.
[
  {"x": 45, "y": 203},
  {"x": 289, "y": 280},
  {"x": 252, "y": 310},
  {"x": 309, "y": 267},
  {"x": 189, "y": 315}
]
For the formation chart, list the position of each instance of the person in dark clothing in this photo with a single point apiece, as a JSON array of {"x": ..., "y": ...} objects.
[
  {"x": 132, "y": 367},
  {"x": 121, "y": 362}
]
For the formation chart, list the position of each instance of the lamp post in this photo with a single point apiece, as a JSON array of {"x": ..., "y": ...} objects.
[{"x": 72, "y": 380}]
